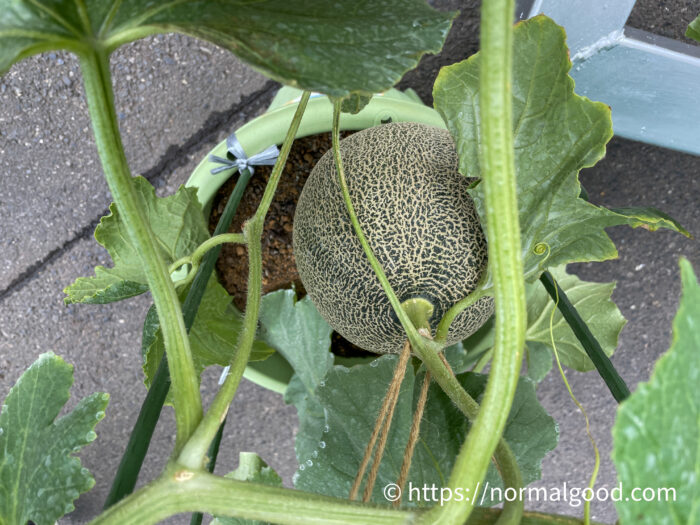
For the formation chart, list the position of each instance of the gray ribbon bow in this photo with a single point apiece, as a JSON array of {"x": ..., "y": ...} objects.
[{"x": 265, "y": 158}]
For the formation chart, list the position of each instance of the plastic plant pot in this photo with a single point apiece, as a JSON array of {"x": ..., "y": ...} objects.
[{"x": 270, "y": 128}]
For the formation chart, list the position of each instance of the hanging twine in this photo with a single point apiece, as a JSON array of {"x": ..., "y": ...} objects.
[
  {"x": 387, "y": 408},
  {"x": 399, "y": 374},
  {"x": 413, "y": 436}
]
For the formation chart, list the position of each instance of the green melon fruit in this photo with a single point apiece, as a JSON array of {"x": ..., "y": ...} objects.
[{"x": 419, "y": 220}]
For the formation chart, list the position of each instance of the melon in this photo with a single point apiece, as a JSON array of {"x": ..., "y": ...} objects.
[{"x": 421, "y": 223}]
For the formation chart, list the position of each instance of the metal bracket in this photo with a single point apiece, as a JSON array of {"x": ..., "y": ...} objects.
[{"x": 652, "y": 83}]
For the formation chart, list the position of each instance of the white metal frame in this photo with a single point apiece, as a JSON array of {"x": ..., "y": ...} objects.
[{"x": 652, "y": 83}]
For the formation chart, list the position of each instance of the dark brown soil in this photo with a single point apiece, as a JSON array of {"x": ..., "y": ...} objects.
[{"x": 279, "y": 270}]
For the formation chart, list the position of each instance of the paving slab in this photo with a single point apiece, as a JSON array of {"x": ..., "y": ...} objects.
[
  {"x": 669, "y": 18},
  {"x": 169, "y": 91}
]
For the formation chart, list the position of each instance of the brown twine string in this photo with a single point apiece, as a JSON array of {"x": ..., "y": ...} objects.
[
  {"x": 413, "y": 436},
  {"x": 386, "y": 407},
  {"x": 399, "y": 374}
]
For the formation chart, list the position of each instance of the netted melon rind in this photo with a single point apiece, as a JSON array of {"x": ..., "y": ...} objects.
[{"x": 419, "y": 220}]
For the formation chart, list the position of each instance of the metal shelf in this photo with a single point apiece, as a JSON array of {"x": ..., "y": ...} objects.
[{"x": 652, "y": 83}]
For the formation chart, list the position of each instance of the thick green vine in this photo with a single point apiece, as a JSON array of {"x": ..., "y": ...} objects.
[
  {"x": 184, "y": 386},
  {"x": 194, "y": 452},
  {"x": 505, "y": 260},
  {"x": 182, "y": 490}
]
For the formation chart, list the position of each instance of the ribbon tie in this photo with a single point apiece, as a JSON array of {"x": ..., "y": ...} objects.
[{"x": 241, "y": 161}]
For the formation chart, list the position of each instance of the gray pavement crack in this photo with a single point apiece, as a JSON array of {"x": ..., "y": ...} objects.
[{"x": 174, "y": 157}]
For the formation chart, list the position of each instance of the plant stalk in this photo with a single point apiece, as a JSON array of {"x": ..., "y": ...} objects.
[
  {"x": 414, "y": 337},
  {"x": 196, "y": 258},
  {"x": 194, "y": 452},
  {"x": 196, "y": 292},
  {"x": 212, "y": 454},
  {"x": 456, "y": 309},
  {"x": 182, "y": 490},
  {"x": 184, "y": 384},
  {"x": 140, "y": 438},
  {"x": 503, "y": 455},
  {"x": 428, "y": 351},
  {"x": 505, "y": 258},
  {"x": 615, "y": 383}
]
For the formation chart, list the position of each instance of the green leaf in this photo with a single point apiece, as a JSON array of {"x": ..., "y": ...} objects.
[
  {"x": 539, "y": 360},
  {"x": 250, "y": 468},
  {"x": 361, "y": 46},
  {"x": 353, "y": 104},
  {"x": 693, "y": 30},
  {"x": 311, "y": 418},
  {"x": 556, "y": 134},
  {"x": 39, "y": 476},
  {"x": 593, "y": 303},
  {"x": 297, "y": 331},
  {"x": 656, "y": 442},
  {"x": 213, "y": 337},
  {"x": 650, "y": 219},
  {"x": 178, "y": 224},
  {"x": 351, "y": 398},
  {"x": 530, "y": 431}
]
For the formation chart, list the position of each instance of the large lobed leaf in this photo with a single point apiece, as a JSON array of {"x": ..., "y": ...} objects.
[
  {"x": 176, "y": 221},
  {"x": 338, "y": 48},
  {"x": 213, "y": 336},
  {"x": 351, "y": 398},
  {"x": 656, "y": 437},
  {"x": 556, "y": 133},
  {"x": 39, "y": 476},
  {"x": 296, "y": 330}
]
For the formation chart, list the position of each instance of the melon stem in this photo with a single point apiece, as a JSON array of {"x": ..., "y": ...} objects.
[
  {"x": 497, "y": 162},
  {"x": 419, "y": 311}
]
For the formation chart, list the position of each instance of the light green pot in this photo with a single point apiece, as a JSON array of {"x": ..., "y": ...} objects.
[{"x": 270, "y": 128}]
